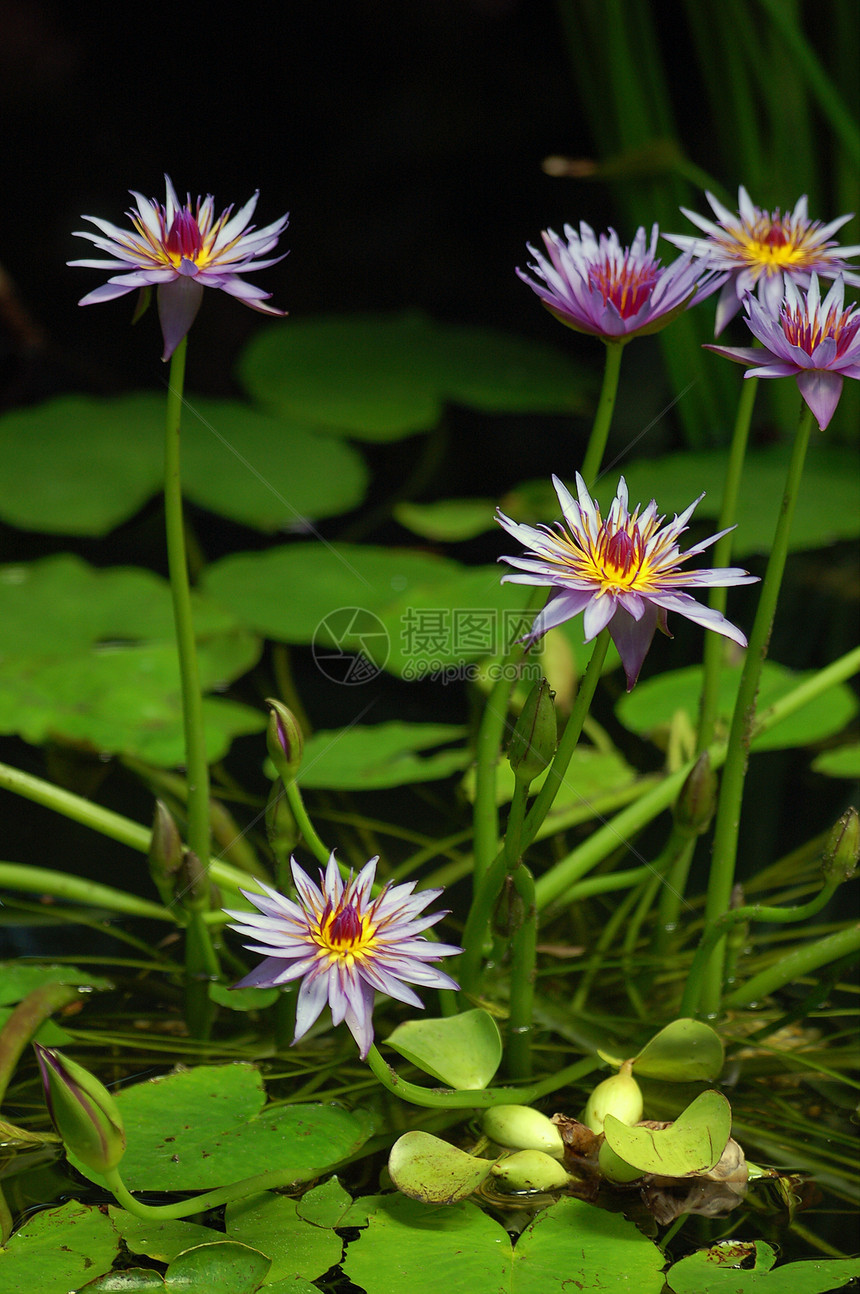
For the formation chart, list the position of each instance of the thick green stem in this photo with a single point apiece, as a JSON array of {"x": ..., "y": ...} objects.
[
  {"x": 28, "y": 1016},
  {"x": 718, "y": 599},
  {"x": 722, "y": 872},
  {"x": 488, "y": 745},
  {"x": 671, "y": 898},
  {"x": 317, "y": 847},
  {"x": 603, "y": 417},
  {"x": 73, "y": 889},
  {"x": 518, "y": 1054},
  {"x": 192, "y": 701},
  {"x": 791, "y": 966},
  {"x": 76, "y": 808}
]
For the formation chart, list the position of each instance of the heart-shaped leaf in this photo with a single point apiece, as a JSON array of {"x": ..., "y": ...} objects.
[
  {"x": 684, "y": 1051},
  {"x": 692, "y": 1144},
  {"x": 463, "y": 1050},
  {"x": 433, "y": 1171}
]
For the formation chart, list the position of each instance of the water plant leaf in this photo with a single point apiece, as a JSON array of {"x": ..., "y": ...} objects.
[
  {"x": 57, "y": 1249},
  {"x": 593, "y": 775},
  {"x": 219, "y": 1130},
  {"x": 464, "y": 1050},
  {"x": 684, "y": 1051},
  {"x": 460, "y": 1249},
  {"x": 259, "y": 469},
  {"x": 717, "y": 1271},
  {"x": 447, "y": 520},
  {"x": 89, "y": 656},
  {"x": 271, "y": 1223},
  {"x": 843, "y": 761},
  {"x": 692, "y": 1144},
  {"x": 367, "y": 757},
  {"x": 161, "y": 1240},
  {"x": 380, "y": 377},
  {"x": 17, "y": 979},
  {"x": 219, "y": 1267},
  {"x": 325, "y": 1205},
  {"x": 131, "y": 1280},
  {"x": 433, "y": 1171},
  {"x": 649, "y": 709}
]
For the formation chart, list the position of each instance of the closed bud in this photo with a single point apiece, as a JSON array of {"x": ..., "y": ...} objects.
[
  {"x": 284, "y": 740},
  {"x": 193, "y": 886},
  {"x": 535, "y": 735},
  {"x": 165, "y": 852},
  {"x": 614, "y": 1168},
  {"x": 697, "y": 801},
  {"x": 517, "y": 1127},
  {"x": 620, "y": 1095},
  {"x": 529, "y": 1170},
  {"x": 82, "y": 1110},
  {"x": 842, "y": 851}
]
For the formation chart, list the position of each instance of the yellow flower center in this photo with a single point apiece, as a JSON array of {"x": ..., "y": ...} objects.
[
  {"x": 345, "y": 934},
  {"x": 773, "y": 243},
  {"x": 614, "y": 561}
]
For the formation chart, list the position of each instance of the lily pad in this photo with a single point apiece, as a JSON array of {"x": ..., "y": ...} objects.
[
  {"x": 692, "y": 1144},
  {"x": 842, "y": 761},
  {"x": 56, "y": 1250},
  {"x": 431, "y": 1170},
  {"x": 464, "y": 1051},
  {"x": 447, "y": 520},
  {"x": 379, "y": 377},
  {"x": 684, "y": 1051},
  {"x": 259, "y": 469},
  {"x": 718, "y": 1270},
  {"x": 271, "y": 1223},
  {"x": 386, "y": 754}
]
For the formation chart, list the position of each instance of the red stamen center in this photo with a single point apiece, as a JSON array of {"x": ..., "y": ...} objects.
[
  {"x": 627, "y": 286},
  {"x": 184, "y": 237},
  {"x": 345, "y": 927},
  {"x": 806, "y": 330}
]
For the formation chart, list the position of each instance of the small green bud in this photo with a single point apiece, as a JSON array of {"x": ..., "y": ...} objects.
[
  {"x": 193, "y": 884},
  {"x": 518, "y": 1127},
  {"x": 697, "y": 800},
  {"x": 614, "y": 1168},
  {"x": 165, "y": 852},
  {"x": 842, "y": 851},
  {"x": 620, "y": 1095},
  {"x": 284, "y": 740},
  {"x": 529, "y": 1170},
  {"x": 82, "y": 1110},
  {"x": 535, "y": 735}
]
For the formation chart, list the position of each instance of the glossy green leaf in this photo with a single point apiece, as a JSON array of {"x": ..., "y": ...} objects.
[
  {"x": 433, "y": 1171},
  {"x": 649, "y": 709},
  {"x": 57, "y": 1250},
  {"x": 692, "y": 1144},
  {"x": 460, "y": 1249},
  {"x": 271, "y": 1223},
  {"x": 684, "y": 1051},
  {"x": 130, "y": 1280},
  {"x": 243, "y": 999},
  {"x": 159, "y": 1239},
  {"x": 447, "y": 520},
  {"x": 220, "y": 1267},
  {"x": 258, "y": 469},
  {"x": 842, "y": 761},
  {"x": 386, "y": 754},
  {"x": 18, "y": 979},
  {"x": 718, "y": 1271},
  {"x": 464, "y": 1050},
  {"x": 384, "y": 376},
  {"x": 325, "y": 1205},
  {"x": 209, "y": 1126},
  {"x": 88, "y": 655}
]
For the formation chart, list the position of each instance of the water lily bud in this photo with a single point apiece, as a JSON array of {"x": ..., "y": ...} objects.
[
  {"x": 193, "y": 885},
  {"x": 521, "y": 1128},
  {"x": 620, "y": 1095},
  {"x": 535, "y": 735},
  {"x": 165, "y": 852},
  {"x": 697, "y": 801},
  {"x": 614, "y": 1168},
  {"x": 284, "y": 740},
  {"x": 842, "y": 852},
  {"x": 529, "y": 1170},
  {"x": 82, "y": 1110}
]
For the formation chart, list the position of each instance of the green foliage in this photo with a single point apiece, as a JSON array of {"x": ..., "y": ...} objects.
[
  {"x": 464, "y": 1050},
  {"x": 380, "y": 377},
  {"x": 425, "y": 1168},
  {"x": 718, "y": 1271},
  {"x": 684, "y": 1051},
  {"x": 693, "y": 1143},
  {"x": 363, "y": 758},
  {"x": 58, "y": 1250}
]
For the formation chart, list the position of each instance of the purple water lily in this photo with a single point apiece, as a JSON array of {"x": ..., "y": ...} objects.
[
  {"x": 623, "y": 572},
  {"x": 344, "y": 945},
  {"x": 181, "y": 250}
]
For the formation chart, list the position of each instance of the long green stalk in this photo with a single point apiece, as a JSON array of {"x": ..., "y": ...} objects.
[
  {"x": 603, "y": 416},
  {"x": 793, "y": 965}
]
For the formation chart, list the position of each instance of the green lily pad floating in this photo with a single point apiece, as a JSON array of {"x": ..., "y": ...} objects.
[
  {"x": 17, "y": 979},
  {"x": 447, "y": 520},
  {"x": 219, "y": 1131},
  {"x": 431, "y": 1170},
  {"x": 56, "y": 1250},
  {"x": 272, "y": 1224},
  {"x": 649, "y": 709},
  {"x": 380, "y": 377},
  {"x": 363, "y": 758},
  {"x": 259, "y": 469},
  {"x": 89, "y": 656},
  {"x": 827, "y": 510},
  {"x": 718, "y": 1270},
  {"x": 464, "y": 1051},
  {"x": 692, "y": 1144},
  {"x": 684, "y": 1051},
  {"x": 843, "y": 761}
]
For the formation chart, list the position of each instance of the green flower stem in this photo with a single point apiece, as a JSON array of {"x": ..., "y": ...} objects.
[
  {"x": 718, "y": 599},
  {"x": 487, "y": 753},
  {"x": 795, "y": 964},
  {"x": 197, "y": 1203},
  {"x": 518, "y": 1052},
  {"x": 300, "y": 813},
  {"x": 603, "y": 417},
  {"x": 192, "y": 701},
  {"x": 558, "y": 881},
  {"x": 438, "y": 1098},
  {"x": 60, "y": 885},
  {"x": 608, "y": 937},
  {"x": 722, "y": 872},
  {"x": 28, "y": 1016},
  {"x": 514, "y": 828},
  {"x": 671, "y": 898},
  {"x": 567, "y": 744},
  {"x": 110, "y": 824},
  {"x": 713, "y": 933}
]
